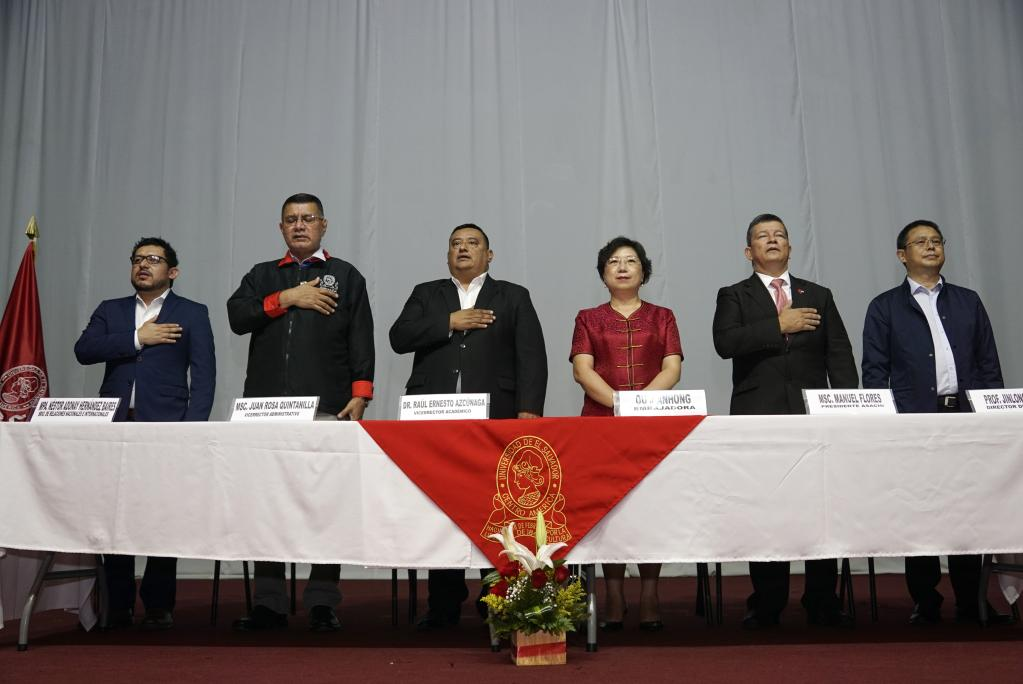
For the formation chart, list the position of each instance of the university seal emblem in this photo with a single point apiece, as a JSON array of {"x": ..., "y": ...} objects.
[
  {"x": 20, "y": 388},
  {"x": 528, "y": 482}
]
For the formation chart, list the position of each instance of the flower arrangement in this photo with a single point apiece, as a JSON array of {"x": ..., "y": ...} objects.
[{"x": 531, "y": 592}]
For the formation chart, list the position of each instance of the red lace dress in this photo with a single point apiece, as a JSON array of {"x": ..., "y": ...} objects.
[{"x": 627, "y": 352}]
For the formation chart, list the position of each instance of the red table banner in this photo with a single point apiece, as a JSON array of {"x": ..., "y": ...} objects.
[{"x": 486, "y": 473}]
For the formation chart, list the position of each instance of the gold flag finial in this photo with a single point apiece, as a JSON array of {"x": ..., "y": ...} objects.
[{"x": 32, "y": 230}]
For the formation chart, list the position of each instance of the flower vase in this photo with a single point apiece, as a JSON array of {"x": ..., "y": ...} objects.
[{"x": 540, "y": 648}]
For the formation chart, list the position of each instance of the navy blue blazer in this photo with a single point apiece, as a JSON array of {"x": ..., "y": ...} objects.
[
  {"x": 161, "y": 370},
  {"x": 898, "y": 351}
]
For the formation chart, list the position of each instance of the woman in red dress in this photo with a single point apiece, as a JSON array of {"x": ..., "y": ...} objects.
[{"x": 626, "y": 344}]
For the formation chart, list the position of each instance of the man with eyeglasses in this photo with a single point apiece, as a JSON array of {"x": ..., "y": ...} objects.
[
  {"x": 311, "y": 333},
  {"x": 930, "y": 341},
  {"x": 470, "y": 332},
  {"x": 783, "y": 335},
  {"x": 160, "y": 362}
]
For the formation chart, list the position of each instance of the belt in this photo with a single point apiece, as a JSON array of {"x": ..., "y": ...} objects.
[{"x": 948, "y": 401}]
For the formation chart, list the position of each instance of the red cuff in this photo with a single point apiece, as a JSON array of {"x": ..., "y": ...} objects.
[
  {"x": 272, "y": 305},
  {"x": 362, "y": 388}
]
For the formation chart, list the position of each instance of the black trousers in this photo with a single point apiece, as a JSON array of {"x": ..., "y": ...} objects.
[
  {"x": 159, "y": 582},
  {"x": 771, "y": 587},
  {"x": 923, "y": 573}
]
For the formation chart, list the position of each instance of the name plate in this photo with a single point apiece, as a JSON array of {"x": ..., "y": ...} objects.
[
  {"x": 444, "y": 406},
  {"x": 275, "y": 408},
  {"x": 993, "y": 400},
  {"x": 849, "y": 401},
  {"x": 661, "y": 403},
  {"x": 78, "y": 410}
]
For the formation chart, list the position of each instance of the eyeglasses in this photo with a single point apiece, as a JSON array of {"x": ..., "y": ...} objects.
[
  {"x": 151, "y": 259},
  {"x": 629, "y": 262},
  {"x": 923, "y": 243},
  {"x": 307, "y": 219}
]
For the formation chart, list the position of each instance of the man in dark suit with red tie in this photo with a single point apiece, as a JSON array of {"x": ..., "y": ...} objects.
[
  {"x": 784, "y": 335},
  {"x": 471, "y": 333},
  {"x": 160, "y": 362}
]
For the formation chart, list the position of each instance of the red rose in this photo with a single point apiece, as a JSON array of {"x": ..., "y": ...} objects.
[
  {"x": 500, "y": 588},
  {"x": 509, "y": 569},
  {"x": 561, "y": 574},
  {"x": 539, "y": 578}
]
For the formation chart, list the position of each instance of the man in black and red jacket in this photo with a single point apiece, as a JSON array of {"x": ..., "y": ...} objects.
[{"x": 311, "y": 334}]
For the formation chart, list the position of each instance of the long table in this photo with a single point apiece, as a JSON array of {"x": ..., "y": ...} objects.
[{"x": 737, "y": 488}]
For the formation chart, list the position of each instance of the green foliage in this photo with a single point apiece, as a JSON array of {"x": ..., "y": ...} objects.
[{"x": 550, "y": 608}]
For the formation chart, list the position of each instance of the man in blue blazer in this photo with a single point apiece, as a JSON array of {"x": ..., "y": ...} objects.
[
  {"x": 930, "y": 341},
  {"x": 151, "y": 344}
]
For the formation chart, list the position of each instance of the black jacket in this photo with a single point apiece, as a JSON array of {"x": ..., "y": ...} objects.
[
  {"x": 506, "y": 359},
  {"x": 305, "y": 352},
  {"x": 770, "y": 372}
]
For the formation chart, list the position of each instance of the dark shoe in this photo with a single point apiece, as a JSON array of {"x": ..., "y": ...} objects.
[
  {"x": 651, "y": 626},
  {"x": 157, "y": 620},
  {"x": 612, "y": 625},
  {"x": 993, "y": 616},
  {"x": 261, "y": 619},
  {"x": 434, "y": 620},
  {"x": 925, "y": 615},
  {"x": 323, "y": 619},
  {"x": 756, "y": 621},
  {"x": 830, "y": 618},
  {"x": 119, "y": 619}
]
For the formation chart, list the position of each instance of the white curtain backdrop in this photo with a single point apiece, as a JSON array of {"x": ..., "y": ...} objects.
[{"x": 555, "y": 125}]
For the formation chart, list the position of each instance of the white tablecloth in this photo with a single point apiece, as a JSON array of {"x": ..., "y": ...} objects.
[{"x": 738, "y": 488}]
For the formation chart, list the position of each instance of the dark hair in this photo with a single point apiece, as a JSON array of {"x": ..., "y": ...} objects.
[
  {"x": 303, "y": 198},
  {"x": 486, "y": 240},
  {"x": 621, "y": 241},
  {"x": 900, "y": 242},
  {"x": 168, "y": 251},
  {"x": 763, "y": 218}
]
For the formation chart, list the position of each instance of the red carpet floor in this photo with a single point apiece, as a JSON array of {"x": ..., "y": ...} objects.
[{"x": 369, "y": 649}]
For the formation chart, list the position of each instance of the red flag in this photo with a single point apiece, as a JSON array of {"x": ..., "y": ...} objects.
[{"x": 23, "y": 379}]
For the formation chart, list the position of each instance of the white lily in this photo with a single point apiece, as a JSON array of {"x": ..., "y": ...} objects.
[{"x": 521, "y": 553}]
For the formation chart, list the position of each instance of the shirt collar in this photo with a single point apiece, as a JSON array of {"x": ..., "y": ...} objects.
[
  {"x": 161, "y": 298},
  {"x": 915, "y": 287},
  {"x": 474, "y": 283},
  {"x": 766, "y": 279},
  {"x": 289, "y": 258}
]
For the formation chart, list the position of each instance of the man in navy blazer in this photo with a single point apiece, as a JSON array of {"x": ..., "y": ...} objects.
[
  {"x": 783, "y": 334},
  {"x": 930, "y": 341},
  {"x": 152, "y": 343}
]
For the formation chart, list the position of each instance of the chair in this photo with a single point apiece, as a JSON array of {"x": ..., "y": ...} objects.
[
  {"x": 987, "y": 566},
  {"x": 845, "y": 589},
  {"x": 214, "y": 605},
  {"x": 705, "y": 603},
  {"x": 47, "y": 574}
]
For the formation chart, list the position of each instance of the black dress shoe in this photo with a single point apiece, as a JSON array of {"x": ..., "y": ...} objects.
[
  {"x": 261, "y": 619},
  {"x": 993, "y": 616},
  {"x": 157, "y": 620},
  {"x": 830, "y": 618},
  {"x": 757, "y": 621},
  {"x": 611, "y": 625},
  {"x": 435, "y": 620},
  {"x": 925, "y": 615},
  {"x": 119, "y": 619},
  {"x": 323, "y": 619},
  {"x": 651, "y": 625}
]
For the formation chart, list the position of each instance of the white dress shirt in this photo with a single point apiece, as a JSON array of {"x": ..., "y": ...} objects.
[
  {"x": 944, "y": 361},
  {"x": 145, "y": 313}
]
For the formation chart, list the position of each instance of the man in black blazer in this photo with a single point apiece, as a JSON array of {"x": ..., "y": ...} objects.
[
  {"x": 159, "y": 360},
  {"x": 784, "y": 335},
  {"x": 471, "y": 333}
]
